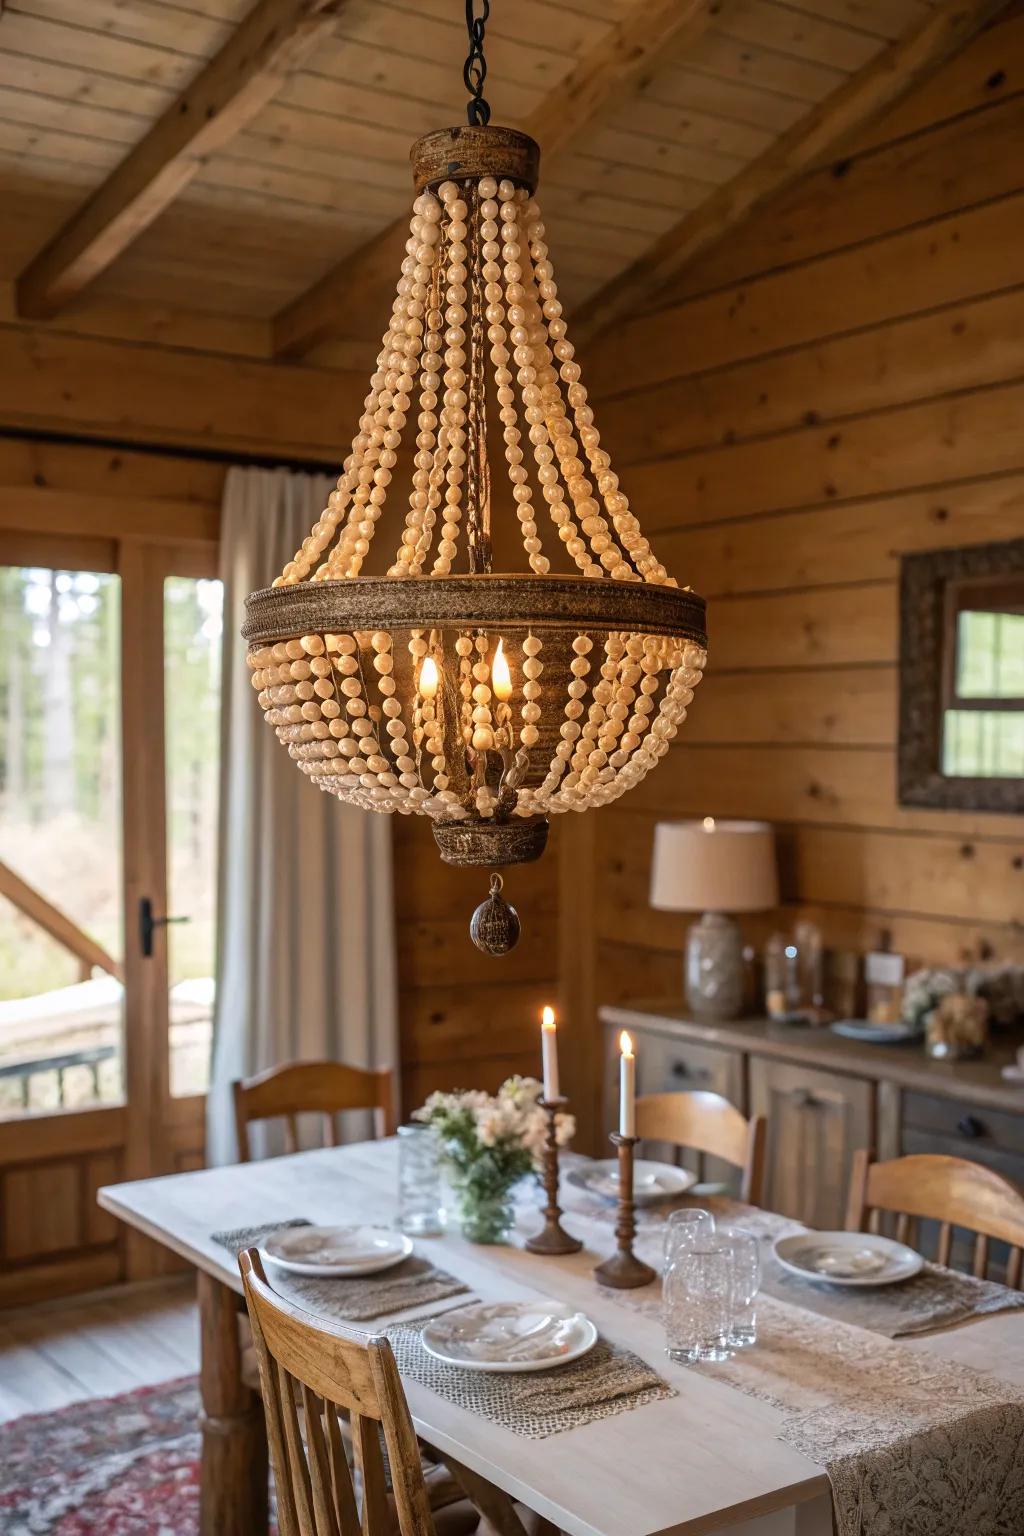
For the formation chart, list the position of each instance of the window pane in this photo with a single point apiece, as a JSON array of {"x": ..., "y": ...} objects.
[
  {"x": 192, "y": 635},
  {"x": 983, "y": 744},
  {"x": 61, "y": 910},
  {"x": 990, "y": 655}
]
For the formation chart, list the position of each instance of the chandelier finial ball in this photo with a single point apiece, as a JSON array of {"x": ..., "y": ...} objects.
[{"x": 494, "y": 926}]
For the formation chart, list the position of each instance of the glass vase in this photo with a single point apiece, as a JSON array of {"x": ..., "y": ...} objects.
[{"x": 486, "y": 1214}]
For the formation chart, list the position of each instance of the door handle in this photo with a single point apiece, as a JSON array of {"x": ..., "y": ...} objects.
[{"x": 149, "y": 923}]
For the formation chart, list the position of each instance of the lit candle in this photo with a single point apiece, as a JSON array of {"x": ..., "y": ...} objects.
[
  {"x": 627, "y": 1087},
  {"x": 501, "y": 678},
  {"x": 709, "y": 823},
  {"x": 428, "y": 678},
  {"x": 549, "y": 1053}
]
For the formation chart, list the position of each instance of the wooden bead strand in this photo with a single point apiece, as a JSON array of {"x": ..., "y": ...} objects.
[
  {"x": 522, "y": 335},
  {"x": 545, "y": 351},
  {"x": 497, "y": 335},
  {"x": 453, "y": 413},
  {"x": 616, "y": 503}
]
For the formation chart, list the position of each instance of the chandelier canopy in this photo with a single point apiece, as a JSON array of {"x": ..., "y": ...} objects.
[{"x": 486, "y": 701}]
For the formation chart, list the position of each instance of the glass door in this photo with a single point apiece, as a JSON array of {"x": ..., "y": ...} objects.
[
  {"x": 61, "y": 905},
  {"x": 108, "y": 855},
  {"x": 193, "y": 624}
]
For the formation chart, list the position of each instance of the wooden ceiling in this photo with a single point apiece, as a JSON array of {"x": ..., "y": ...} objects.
[{"x": 208, "y": 173}]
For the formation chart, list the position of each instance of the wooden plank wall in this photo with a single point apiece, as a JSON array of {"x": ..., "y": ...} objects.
[{"x": 840, "y": 382}]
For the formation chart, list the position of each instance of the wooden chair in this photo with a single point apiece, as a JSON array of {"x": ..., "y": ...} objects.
[
  {"x": 949, "y": 1190},
  {"x": 317, "y": 1087},
  {"x": 707, "y": 1123},
  {"x": 323, "y": 1384}
]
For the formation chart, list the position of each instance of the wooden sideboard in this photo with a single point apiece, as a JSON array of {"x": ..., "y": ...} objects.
[{"x": 824, "y": 1097}]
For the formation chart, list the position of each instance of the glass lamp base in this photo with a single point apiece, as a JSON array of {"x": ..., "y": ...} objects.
[{"x": 714, "y": 968}]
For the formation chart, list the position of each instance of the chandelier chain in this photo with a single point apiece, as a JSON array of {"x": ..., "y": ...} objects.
[{"x": 474, "y": 71}]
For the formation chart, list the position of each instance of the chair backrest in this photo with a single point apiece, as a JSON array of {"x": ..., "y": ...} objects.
[
  {"x": 709, "y": 1124},
  {"x": 949, "y": 1190},
  {"x": 320, "y": 1367},
  {"x": 318, "y": 1087}
]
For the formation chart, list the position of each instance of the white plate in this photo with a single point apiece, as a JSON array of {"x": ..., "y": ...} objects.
[
  {"x": 880, "y": 1034},
  {"x": 847, "y": 1258},
  {"x": 509, "y": 1336},
  {"x": 325, "y": 1251},
  {"x": 651, "y": 1181}
]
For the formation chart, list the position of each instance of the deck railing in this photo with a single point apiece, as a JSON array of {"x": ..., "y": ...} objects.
[{"x": 90, "y": 956}]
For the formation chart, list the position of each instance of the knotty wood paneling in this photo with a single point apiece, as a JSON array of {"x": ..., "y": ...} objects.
[{"x": 838, "y": 384}]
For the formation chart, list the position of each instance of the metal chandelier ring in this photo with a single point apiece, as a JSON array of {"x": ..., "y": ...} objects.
[{"x": 473, "y": 602}]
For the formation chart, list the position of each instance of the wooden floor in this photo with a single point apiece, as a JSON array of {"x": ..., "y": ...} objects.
[{"x": 96, "y": 1346}]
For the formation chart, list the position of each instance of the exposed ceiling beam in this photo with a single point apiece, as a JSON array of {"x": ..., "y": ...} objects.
[
  {"x": 359, "y": 285},
  {"x": 273, "y": 40},
  {"x": 824, "y": 130}
]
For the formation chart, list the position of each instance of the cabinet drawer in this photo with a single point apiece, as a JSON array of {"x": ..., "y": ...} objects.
[
  {"x": 972, "y": 1127},
  {"x": 666, "y": 1065}
]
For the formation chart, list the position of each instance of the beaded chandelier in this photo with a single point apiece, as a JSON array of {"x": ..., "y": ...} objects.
[{"x": 487, "y": 702}]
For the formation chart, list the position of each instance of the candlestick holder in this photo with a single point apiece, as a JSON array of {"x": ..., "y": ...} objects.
[
  {"x": 552, "y": 1238},
  {"x": 624, "y": 1271}
]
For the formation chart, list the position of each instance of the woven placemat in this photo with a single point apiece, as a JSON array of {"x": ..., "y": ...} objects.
[
  {"x": 357, "y": 1299},
  {"x": 607, "y": 1381}
]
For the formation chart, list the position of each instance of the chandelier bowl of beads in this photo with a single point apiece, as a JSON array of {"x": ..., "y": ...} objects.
[{"x": 486, "y": 701}]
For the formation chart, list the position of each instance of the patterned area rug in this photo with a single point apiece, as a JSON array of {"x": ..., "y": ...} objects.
[{"x": 113, "y": 1466}]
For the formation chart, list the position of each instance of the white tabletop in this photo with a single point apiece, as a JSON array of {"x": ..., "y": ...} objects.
[{"x": 705, "y": 1460}]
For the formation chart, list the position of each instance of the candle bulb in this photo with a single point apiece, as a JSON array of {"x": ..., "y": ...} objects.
[
  {"x": 429, "y": 678},
  {"x": 501, "y": 677},
  {"x": 549, "y": 1053},
  {"x": 627, "y": 1087}
]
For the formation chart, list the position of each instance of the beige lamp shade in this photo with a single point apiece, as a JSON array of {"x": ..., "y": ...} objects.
[{"x": 714, "y": 866}]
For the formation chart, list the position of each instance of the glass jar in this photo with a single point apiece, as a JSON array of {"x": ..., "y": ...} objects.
[{"x": 420, "y": 1206}]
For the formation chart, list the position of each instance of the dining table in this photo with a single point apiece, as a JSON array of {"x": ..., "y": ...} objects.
[{"x": 704, "y": 1457}]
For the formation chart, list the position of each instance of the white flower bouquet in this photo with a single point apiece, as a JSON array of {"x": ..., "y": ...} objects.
[{"x": 490, "y": 1142}]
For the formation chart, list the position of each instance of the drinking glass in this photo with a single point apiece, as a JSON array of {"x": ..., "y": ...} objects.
[
  {"x": 697, "y": 1301},
  {"x": 746, "y": 1260},
  {"x": 682, "y": 1229},
  {"x": 420, "y": 1207}
]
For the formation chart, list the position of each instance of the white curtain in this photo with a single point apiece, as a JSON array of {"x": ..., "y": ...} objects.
[{"x": 306, "y": 946}]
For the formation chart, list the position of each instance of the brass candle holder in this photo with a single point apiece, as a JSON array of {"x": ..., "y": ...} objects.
[
  {"x": 552, "y": 1238},
  {"x": 624, "y": 1271}
]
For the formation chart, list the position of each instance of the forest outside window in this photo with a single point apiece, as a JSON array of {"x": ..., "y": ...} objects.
[
  {"x": 983, "y": 724},
  {"x": 962, "y": 678}
]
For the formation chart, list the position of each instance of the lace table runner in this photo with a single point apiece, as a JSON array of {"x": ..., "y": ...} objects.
[
  {"x": 913, "y": 1445},
  {"x": 413, "y": 1283},
  {"x": 607, "y": 1381}
]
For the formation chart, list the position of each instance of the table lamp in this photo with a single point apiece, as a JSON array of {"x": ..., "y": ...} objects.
[{"x": 716, "y": 868}]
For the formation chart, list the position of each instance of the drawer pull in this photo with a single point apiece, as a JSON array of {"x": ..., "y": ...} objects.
[
  {"x": 682, "y": 1070},
  {"x": 970, "y": 1127}
]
